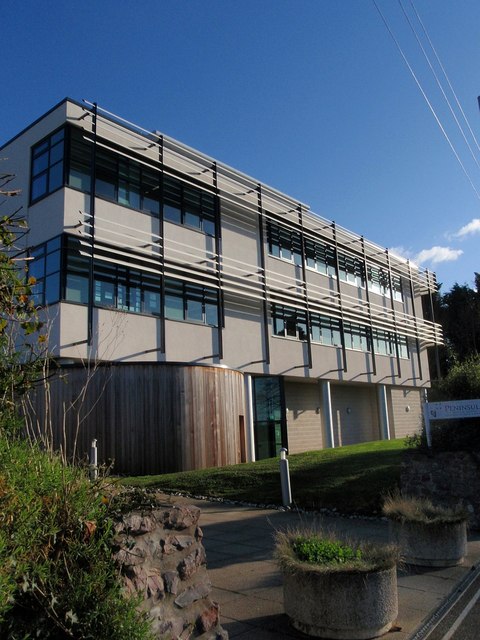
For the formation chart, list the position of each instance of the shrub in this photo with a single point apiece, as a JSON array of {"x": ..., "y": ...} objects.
[
  {"x": 461, "y": 383},
  {"x": 57, "y": 575}
]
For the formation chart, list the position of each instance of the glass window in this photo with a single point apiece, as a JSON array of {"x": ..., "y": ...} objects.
[
  {"x": 188, "y": 205},
  {"x": 44, "y": 266},
  {"x": 351, "y": 269},
  {"x": 320, "y": 256},
  {"x": 187, "y": 301},
  {"x": 47, "y": 166},
  {"x": 284, "y": 243},
  {"x": 76, "y": 288},
  {"x": 80, "y": 160},
  {"x": 52, "y": 288},
  {"x": 174, "y": 307},
  {"x": 289, "y": 322},
  {"x": 104, "y": 293},
  {"x": 152, "y": 302}
]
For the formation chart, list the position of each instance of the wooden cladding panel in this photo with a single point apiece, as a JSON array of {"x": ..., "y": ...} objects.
[{"x": 148, "y": 418}]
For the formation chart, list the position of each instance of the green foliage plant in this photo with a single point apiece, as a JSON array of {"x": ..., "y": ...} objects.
[
  {"x": 314, "y": 550},
  {"x": 462, "y": 382},
  {"x": 58, "y": 578}
]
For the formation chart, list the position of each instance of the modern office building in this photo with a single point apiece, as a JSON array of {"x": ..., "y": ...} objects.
[{"x": 224, "y": 319}]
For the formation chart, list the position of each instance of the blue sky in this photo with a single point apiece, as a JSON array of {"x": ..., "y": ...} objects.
[{"x": 309, "y": 96}]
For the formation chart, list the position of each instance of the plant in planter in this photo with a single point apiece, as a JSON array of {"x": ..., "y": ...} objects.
[
  {"x": 334, "y": 589},
  {"x": 427, "y": 534}
]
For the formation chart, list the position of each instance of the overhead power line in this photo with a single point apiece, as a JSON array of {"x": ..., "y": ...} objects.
[
  {"x": 430, "y": 106},
  {"x": 437, "y": 80},
  {"x": 446, "y": 75}
]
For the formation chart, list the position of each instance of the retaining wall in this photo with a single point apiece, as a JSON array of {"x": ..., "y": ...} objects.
[
  {"x": 449, "y": 478},
  {"x": 161, "y": 557}
]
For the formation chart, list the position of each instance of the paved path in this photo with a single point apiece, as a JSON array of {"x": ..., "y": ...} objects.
[{"x": 248, "y": 585}]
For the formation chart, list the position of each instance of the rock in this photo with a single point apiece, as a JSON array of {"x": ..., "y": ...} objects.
[
  {"x": 208, "y": 618},
  {"x": 191, "y": 595}
]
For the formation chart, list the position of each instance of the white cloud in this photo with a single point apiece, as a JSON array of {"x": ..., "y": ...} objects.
[
  {"x": 401, "y": 252},
  {"x": 438, "y": 254},
  {"x": 469, "y": 229}
]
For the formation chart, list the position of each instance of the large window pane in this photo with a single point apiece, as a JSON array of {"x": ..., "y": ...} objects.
[
  {"x": 39, "y": 187},
  {"x": 55, "y": 177},
  {"x": 52, "y": 288},
  {"x": 194, "y": 310},
  {"x": 192, "y": 219},
  {"x": 47, "y": 166},
  {"x": 104, "y": 293},
  {"x": 40, "y": 163},
  {"x": 171, "y": 213},
  {"x": 76, "y": 288},
  {"x": 211, "y": 314},
  {"x": 152, "y": 302},
  {"x": 105, "y": 188},
  {"x": 173, "y": 307}
]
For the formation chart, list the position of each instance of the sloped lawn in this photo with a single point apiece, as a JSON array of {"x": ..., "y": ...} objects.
[{"x": 350, "y": 479}]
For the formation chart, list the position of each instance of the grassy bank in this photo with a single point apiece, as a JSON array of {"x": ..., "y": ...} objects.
[{"x": 350, "y": 479}]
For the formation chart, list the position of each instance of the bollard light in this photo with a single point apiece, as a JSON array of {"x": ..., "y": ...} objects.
[
  {"x": 93, "y": 461},
  {"x": 285, "y": 479}
]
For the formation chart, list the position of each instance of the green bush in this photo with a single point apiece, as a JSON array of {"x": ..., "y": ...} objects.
[
  {"x": 58, "y": 579},
  {"x": 461, "y": 383}
]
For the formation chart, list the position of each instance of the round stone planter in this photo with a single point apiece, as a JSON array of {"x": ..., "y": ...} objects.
[
  {"x": 342, "y": 605},
  {"x": 438, "y": 545}
]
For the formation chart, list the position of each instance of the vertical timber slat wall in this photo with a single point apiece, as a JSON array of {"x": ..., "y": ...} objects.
[{"x": 149, "y": 418}]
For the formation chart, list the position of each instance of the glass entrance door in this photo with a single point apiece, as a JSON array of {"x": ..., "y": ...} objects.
[{"x": 270, "y": 428}]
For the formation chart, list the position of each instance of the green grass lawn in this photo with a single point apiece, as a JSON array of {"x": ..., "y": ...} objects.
[{"x": 350, "y": 479}]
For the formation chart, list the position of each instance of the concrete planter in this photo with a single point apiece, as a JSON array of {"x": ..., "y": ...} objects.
[
  {"x": 430, "y": 545},
  {"x": 342, "y": 605}
]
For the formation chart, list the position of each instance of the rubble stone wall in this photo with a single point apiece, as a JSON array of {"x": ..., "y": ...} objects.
[
  {"x": 446, "y": 477},
  {"x": 161, "y": 557}
]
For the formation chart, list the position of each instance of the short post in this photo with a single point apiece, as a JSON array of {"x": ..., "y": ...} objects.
[
  {"x": 285, "y": 479},
  {"x": 93, "y": 460}
]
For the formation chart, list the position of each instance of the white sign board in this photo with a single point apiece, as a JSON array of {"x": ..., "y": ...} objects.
[{"x": 447, "y": 411}]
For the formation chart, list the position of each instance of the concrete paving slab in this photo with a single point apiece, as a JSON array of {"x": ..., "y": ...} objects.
[{"x": 247, "y": 584}]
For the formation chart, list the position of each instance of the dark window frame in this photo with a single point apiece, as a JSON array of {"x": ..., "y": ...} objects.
[
  {"x": 46, "y": 276},
  {"x": 191, "y": 297},
  {"x": 46, "y": 148},
  {"x": 284, "y": 243},
  {"x": 190, "y": 203},
  {"x": 320, "y": 256},
  {"x": 288, "y": 322}
]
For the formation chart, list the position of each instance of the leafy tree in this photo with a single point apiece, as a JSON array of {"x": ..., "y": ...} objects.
[
  {"x": 460, "y": 317},
  {"x": 22, "y": 338}
]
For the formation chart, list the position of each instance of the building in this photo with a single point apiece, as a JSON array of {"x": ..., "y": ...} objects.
[{"x": 224, "y": 318}]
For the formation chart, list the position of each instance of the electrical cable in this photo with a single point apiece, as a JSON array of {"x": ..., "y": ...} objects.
[
  {"x": 445, "y": 74},
  {"x": 439, "y": 84},
  {"x": 426, "y": 99}
]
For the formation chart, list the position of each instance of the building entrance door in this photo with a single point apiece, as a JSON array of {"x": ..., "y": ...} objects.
[{"x": 269, "y": 428}]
